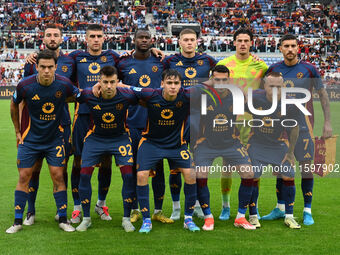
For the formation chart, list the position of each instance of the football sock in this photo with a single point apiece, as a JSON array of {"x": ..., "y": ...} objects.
[
  {"x": 33, "y": 187},
  {"x": 203, "y": 195},
  {"x": 176, "y": 205},
  {"x": 190, "y": 198},
  {"x": 244, "y": 195},
  {"x": 280, "y": 201},
  {"x": 101, "y": 203},
  {"x": 75, "y": 177},
  {"x": 158, "y": 186},
  {"x": 20, "y": 198},
  {"x": 128, "y": 189},
  {"x": 85, "y": 189},
  {"x": 104, "y": 181},
  {"x": 187, "y": 217},
  {"x": 143, "y": 200},
  {"x": 308, "y": 210},
  {"x": 61, "y": 202},
  {"x": 77, "y": 208},
  {"x": 254, "y": 198},
  {"x": 307, "y": 190},
  {"x": 281, "y": 205},
  {"x": 175, "y": 182},
  {"x": 288, "y": 193},
  {"x": 240, "y": 215}
]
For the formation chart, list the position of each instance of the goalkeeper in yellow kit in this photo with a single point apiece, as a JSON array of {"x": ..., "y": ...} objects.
[{"x": 245, "y": 72}]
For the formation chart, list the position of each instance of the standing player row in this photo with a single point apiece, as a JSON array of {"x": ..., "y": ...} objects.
[{"x": 132, "y": 71}]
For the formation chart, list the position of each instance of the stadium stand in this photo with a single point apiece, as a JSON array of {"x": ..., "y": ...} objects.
[{"x": 315, "y": 24}]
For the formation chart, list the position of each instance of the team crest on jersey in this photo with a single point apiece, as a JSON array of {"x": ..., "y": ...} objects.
[
  {"x": 190, "y": 72},
  {"x": 179, "y": 63},
  {"x": 58, "y": 94},
  {"x": 108, "y": 117},
  {"x": 132, "y": 71},
  {"x": 200, "y": 62},
  {"x": 267, "y": 121},
  {"x": 144, "y": 80},
  {"x": 167, "y": 114},
  {"x": 154, "y": 69},
  {"x": 289, "y": 84},
  {"x": 179, "y": 104},
  {"x": 103, "y": 59},
  {"x": 64, "y": 69},
  {"x": 48, "y": 108},
  {"x": 94, "y": 68},
  {"x": 299, "y": 75},
  {"x": 119, "y": 107},
  {"x": 220, "y": 119}
]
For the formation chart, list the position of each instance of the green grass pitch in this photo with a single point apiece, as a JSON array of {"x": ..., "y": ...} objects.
[{"x": 44, "y": 237}]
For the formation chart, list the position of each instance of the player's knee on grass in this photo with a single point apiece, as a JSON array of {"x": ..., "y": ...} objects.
[
  {"x": 189, "y": 175},
  {"x": 245, "y": 171},
  {"x": 142, "y": 177}
]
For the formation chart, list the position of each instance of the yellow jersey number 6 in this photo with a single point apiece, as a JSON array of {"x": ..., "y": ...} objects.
[{"x": 185, "y": 155}]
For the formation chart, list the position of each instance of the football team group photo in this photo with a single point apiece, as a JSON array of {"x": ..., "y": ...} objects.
[{"x": 210, "y": 126}]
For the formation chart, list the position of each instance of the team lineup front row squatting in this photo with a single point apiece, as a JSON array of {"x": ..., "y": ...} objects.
[{"x": 136, "y": 108}]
